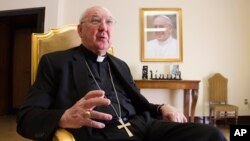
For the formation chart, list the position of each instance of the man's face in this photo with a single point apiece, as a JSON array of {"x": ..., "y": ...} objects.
[
  {"x": 161, "y": 22},
  {"x": 95, "y": 30}
]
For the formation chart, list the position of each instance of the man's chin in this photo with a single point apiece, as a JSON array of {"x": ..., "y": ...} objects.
[
  {"x": 161, "y": 40},
  {"x": 103, "y": 46}
]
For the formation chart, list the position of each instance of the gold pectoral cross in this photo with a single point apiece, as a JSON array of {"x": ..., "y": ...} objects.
[{"x": 124, "y": 125}]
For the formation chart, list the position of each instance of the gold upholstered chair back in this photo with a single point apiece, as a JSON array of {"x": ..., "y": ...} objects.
[
  {"x": 218, "y": 104},
  {"x": 54, "y": 40}
]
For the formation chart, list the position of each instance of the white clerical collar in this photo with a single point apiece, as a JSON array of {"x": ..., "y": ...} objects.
[{"x": 100, "y": 58}]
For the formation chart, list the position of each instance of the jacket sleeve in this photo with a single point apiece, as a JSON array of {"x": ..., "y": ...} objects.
[{"x": 35, "y": 119}]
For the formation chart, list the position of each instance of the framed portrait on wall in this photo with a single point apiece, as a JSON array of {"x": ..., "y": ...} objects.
[{"x": 161, "y": 35}]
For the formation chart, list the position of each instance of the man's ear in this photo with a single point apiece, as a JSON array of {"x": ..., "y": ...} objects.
[{"x": 79, "y": 30}]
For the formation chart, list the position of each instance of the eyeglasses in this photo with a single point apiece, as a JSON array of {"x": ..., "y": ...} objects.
[{"x": 98, "y": 21}]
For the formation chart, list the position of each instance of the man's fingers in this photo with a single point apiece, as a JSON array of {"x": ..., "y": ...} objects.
[
  {"x": 94, "y": 94},
  {"x": 100, "y": 115},
  {"x": 181, "y": 118},
  {"x": 170, "y": 116},
  {"x": 92, "y": 123},
  {"x": 184, "y": 118},
  {"x": 176, "y": 117},
  {"x": 93, "y": 102},
  {"x": 92, "y": 99},
  {"x": 95, "y": 124}
]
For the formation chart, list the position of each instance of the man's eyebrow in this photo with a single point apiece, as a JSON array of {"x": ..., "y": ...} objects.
[
  {"x": 93, "y": 16},
  {"x": 96, "y": 16}
]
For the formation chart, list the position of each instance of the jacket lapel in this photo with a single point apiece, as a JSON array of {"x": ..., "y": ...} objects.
[{"x": 80, "y": 75}]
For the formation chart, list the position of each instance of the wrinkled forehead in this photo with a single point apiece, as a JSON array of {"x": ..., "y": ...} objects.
[{"x": 96, "y": 12}]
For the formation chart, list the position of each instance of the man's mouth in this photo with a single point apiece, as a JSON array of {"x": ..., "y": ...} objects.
[{"x": 102, "y": 38}]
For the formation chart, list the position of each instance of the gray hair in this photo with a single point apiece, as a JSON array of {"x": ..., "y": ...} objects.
[{"x": 86, "y": 12}]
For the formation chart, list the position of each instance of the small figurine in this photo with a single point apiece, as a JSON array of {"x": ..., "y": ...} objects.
[
  {"x": 155, "y": 75},
  {"x": 145, "y": 72},
  {"x": 178, "y": 73},
  {"x": 151, "y": 74}
]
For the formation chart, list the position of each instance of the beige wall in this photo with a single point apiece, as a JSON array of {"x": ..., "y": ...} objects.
[{"x": 215, "y": 39}]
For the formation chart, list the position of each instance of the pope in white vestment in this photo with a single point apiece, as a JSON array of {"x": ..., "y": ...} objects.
[{"x": 164, "y": 45}]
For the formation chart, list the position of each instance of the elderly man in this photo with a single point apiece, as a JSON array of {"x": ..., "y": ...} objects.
[{"x": 92, "y": 94}]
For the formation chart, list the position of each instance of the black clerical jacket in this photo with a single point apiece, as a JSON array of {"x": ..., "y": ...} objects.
[{"x": 62, "y": 80}]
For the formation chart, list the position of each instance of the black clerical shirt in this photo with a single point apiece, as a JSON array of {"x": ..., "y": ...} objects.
[{"x": 101, "y": 72}]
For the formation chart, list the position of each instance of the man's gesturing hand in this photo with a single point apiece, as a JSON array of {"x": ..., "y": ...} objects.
[{"x": 82, "y": 113}]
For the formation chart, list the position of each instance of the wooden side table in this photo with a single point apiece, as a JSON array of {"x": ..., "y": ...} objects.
[{"x": 190, "y": 87}]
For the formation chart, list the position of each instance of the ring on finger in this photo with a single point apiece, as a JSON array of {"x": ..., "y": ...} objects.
[{"x": 86, "y": 114}]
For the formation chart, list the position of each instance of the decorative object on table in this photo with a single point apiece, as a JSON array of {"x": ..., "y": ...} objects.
[
  {"x": 144, "y": 72},
  {"x": 175, "y": 74},
  {"x": 151, "y": 74},
  {"x": 159, "y": 76},
  {"x": 156, "y": 74},
  {"x": 175, "y": 71}
]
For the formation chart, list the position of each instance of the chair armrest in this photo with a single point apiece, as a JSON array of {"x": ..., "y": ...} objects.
[{"x": 63, "y": 135}]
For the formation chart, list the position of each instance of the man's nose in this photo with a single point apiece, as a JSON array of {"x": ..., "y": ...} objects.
[{"x": 103, "y": 26}]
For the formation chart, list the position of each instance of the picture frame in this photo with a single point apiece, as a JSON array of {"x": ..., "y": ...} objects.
[{"x": 161, "y": 34}]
